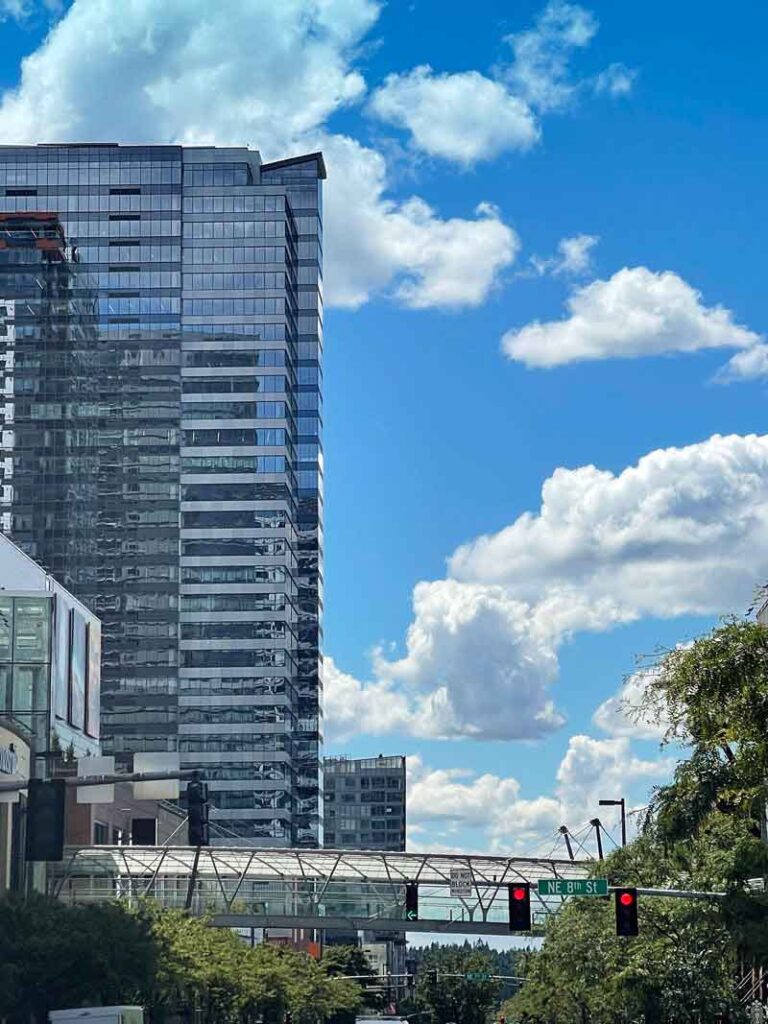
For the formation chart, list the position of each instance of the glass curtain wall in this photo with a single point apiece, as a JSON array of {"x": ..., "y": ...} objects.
[{"x": 165, "y": 414}]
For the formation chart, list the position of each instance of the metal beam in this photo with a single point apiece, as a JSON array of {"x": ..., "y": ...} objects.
[
  {"x": 76, "y": 781},
  {"x": 347, "y": 924}
]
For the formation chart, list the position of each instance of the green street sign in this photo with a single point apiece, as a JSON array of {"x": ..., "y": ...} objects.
[
  {"x": 477, "y": 976},
  {"x": 573, "y": 886}
]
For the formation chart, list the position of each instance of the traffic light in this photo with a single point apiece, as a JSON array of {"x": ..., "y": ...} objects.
[
  {"x": 626, "y": 911},
  {"x": 432, "y": 977},
  {"x": 520, "y": 907},
  {"x": 412, "y": 902},
  {"x": 197, "y": 811},
  {"x": 45, "y": 820}
]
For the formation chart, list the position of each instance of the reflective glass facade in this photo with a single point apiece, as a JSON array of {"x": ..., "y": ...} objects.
[
  {"x": 160, "y": 341},
  {"x": 365, "y": 803}
]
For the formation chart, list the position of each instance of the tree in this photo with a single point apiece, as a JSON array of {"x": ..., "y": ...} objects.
[
  {"x": 703, "y": 831},
  {"x": 351, "y": 962},
  {"x": 56, "y": 957},
  {"x": 714, "y": 696},
  {"x": 455, "y": 997},
  {"x": 679, "y": 969}
]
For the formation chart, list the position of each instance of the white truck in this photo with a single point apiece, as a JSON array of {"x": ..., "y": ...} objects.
[{"x": 98, "y": 1015}]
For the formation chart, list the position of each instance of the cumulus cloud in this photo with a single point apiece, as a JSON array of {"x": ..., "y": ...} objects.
[
  {"x": 182, "y": 70},
  {"x": 637, "y": 312},
  {"x": 574, "y": 257},
  {"x": 749, "y": 364},
  {"x": 684, "y": 531},
  {"x": 375, "y": 244},
  {"x": 464, "y": 117},
  {"x": 445, "y": 801},
  {"x": 619, "y": 714},
  {"x": 468, "y": 116}
]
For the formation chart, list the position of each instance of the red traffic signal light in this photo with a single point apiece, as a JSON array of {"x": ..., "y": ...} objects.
[
  {"x": 626, "y": 912},
  {"x": 520, "y": 907}
]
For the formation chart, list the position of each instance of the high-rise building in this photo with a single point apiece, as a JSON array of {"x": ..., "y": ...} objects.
[
  {"x": 160, "y": 349},
  {"x": 365, "y": 803}
]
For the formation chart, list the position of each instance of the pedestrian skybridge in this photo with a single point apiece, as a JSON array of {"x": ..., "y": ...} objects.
[{"x": 330, "y": 889}]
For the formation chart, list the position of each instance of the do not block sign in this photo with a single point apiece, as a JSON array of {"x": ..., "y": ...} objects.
[{"x": 461, "y": 882}]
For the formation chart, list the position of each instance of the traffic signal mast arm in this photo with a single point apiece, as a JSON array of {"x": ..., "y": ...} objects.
[
  {"x": 107, "y": 780},
  {"x": 675, "y": 894}
]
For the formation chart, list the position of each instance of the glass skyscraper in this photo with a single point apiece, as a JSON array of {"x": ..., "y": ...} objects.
[{"x": 160, "y": 352}]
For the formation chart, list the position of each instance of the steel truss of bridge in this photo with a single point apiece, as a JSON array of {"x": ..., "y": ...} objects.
[{"x": 297, "y": 888}]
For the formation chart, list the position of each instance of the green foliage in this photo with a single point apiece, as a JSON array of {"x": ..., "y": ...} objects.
[
  {"x": 58, "y": 957},
  {"x": 680, "y": 968},
  {"x": 714, "y": 694},
  {"x": 702, "y": 833},
  {"x": 351, "y": 962},
  {"x": 456, "y": 998}
]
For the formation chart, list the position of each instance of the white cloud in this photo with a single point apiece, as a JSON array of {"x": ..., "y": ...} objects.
[
  {"x": 14, "y": 10},
  {"x": 468, "y": 116},
  {"x": 483, "y": 656},
  {"x": 635, "y": 313},
  {"x": 375, "y": 244},
  {"x": 442, "y": 803},
  {"x": 574, "y": 256},
  {"x": 183, "y": 70},
  {"x": 615, "y": 80},
  {"x": 272, "y": 84},
  {"x": 619, "y": 714},
  {"x": 539, "y": 72},
  {"x": 685, "y": 531},
  {"x": 464, "y": 117},
  {"x": 24, "y": 10},
  {"x": 749, "y": 364}
]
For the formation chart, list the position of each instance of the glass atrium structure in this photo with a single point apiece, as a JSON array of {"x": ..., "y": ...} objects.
[{"x": 160, "y": 345}]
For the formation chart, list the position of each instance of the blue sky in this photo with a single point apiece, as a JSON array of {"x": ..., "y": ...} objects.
[{"x": 638, "y": 134}]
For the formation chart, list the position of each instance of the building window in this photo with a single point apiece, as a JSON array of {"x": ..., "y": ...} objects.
[{"x": 100, "y": 834}]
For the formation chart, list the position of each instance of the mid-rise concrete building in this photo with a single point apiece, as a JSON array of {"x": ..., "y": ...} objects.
[{"x": 365, "y": 803}]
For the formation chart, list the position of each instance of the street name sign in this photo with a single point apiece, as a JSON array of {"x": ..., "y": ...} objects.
[
  {"x": 573, "y": 886},
  {"x": 461, "y": 882}
]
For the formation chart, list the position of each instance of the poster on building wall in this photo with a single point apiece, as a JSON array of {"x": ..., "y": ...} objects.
[
  {"x": 77, "y": 671},
  {"x": 93, "y": 681},
  {"x": 62, "y": 625}
]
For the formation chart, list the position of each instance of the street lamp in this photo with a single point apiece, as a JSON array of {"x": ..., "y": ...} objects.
[{"x": 618, "y": 803}]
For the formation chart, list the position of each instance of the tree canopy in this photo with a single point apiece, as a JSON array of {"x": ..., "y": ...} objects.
[
  {"x": 702, "y": 832},
  {"x": 58, "y": 957}
]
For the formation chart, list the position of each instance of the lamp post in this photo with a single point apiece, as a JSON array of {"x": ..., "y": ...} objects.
[
  {"x": 618, "y": 803},
  {"x": 597, "y": 825}
]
